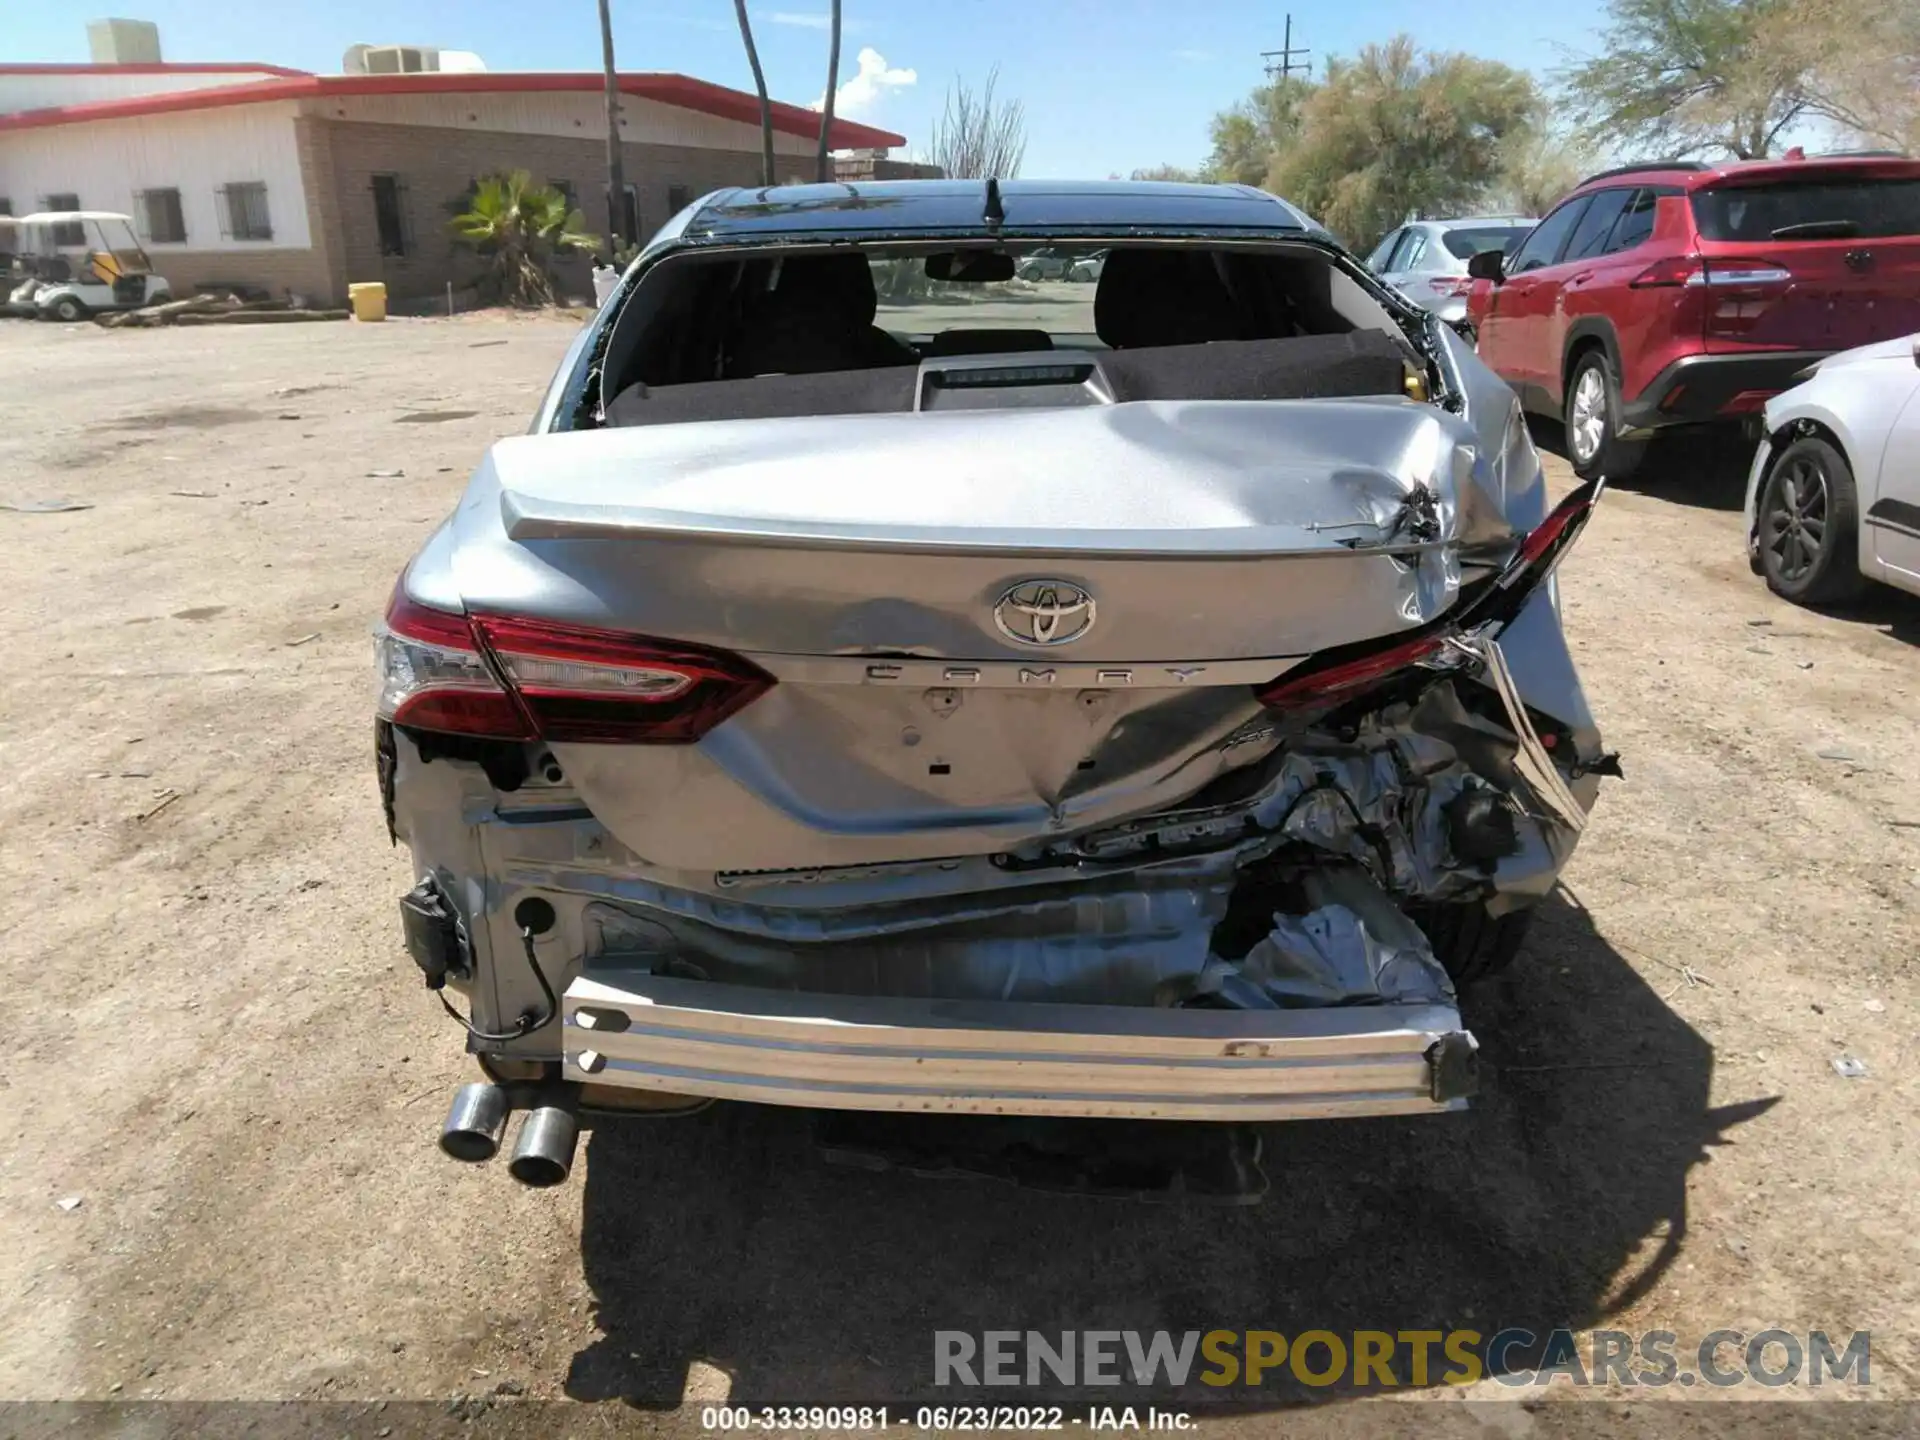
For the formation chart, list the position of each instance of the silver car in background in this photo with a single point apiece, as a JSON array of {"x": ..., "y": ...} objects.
[
  {"x": 1143, "y": 699},
  {"x": 1427, "y": 260}
]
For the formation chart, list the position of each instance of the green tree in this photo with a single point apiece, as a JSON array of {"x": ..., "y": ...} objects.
[
  {"x": 518, "y": 228},
  {"x": 1397, "y": 132},
  {"x": 1167, "y": 172},
  {"x": 1692, "y": 77},
  {"x": 1537, "y": 168},
  {"x": 1248, "y": 138}
]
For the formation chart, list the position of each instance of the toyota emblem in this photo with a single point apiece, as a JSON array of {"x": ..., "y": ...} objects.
[{"x": 1044, "y": 612}]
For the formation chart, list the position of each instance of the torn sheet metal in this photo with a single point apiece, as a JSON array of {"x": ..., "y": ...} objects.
[{"x": 1355, "y": 947}]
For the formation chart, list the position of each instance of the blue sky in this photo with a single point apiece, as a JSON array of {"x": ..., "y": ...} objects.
[{"x": 1109, "y": 85}]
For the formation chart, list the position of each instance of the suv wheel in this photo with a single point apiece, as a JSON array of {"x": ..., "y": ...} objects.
[
  {"x": 1809, "y": 525},
  {"x": 1593, "y": 422}
]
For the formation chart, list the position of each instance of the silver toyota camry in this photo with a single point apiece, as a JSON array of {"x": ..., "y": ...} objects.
[{"x": 880, "y": 683}]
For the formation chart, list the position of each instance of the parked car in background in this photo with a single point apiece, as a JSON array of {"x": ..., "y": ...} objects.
[
  {"x": 1087, "y": 268},
  {"x": 1657, "y": 296},
  {"x": 1427, "y": 260},
  {"x": 938, "y": 708},
  {"x": 1045, "y": 264},
  {"x": 1833, "y": 499}
]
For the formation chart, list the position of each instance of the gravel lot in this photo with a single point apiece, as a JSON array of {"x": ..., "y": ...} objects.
[{"x": 220, "y": 1049}]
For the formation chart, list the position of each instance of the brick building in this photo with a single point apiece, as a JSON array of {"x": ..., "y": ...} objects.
[{"x": 260, "y": 175}]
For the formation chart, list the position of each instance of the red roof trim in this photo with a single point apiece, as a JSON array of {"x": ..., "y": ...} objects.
[
  {"x": 670, "y": 89},
  {"x": 219, "y": 67}
]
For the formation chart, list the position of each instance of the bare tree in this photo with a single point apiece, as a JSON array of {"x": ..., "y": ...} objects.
[
  {"x": 1864, "y": 64},
  {"x": 619, "y": 218},
  {"x": 823, "y": 165},
  {"x": 978, "y": 136},
  {"x": 760, "y": 88}
]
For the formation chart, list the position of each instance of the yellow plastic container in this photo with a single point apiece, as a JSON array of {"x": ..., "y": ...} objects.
[{"x": 369, "y": 300}]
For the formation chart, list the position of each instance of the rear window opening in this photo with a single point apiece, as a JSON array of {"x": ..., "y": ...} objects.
[
  {"x": 854, "y": 330},
  {"x": 1465, "y": 244},
  {"x": 1813, "y": 209}
]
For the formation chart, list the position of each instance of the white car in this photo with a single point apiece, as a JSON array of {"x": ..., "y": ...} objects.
[{"x": 1833, "y": 500}]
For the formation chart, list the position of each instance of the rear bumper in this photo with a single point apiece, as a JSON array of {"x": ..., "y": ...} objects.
[
  {"x": 690, "y": 1037},
  {"x": 1700, "y": 388}
]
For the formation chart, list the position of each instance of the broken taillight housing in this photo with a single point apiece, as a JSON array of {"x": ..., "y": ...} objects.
[
  {"x": 443, "y": 671},
  {"x": 1317, "y": 685},
  {"x": 1328, "y": 680}
]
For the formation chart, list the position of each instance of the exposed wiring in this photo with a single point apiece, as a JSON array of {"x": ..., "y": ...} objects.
[{"x": 528, "y": 1022}]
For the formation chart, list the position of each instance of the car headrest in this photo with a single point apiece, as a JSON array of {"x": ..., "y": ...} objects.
[
  {"x": 1163, "y": 297},
  {"x": 840, "y": 285}
]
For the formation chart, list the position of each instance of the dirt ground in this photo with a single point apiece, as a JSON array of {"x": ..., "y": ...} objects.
[{"x": 220, "y": 1050}]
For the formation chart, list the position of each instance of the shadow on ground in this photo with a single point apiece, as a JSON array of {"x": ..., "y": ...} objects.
[
  {"x": 1706, "y": 468},
  {"x": 724, "y": 1238}
]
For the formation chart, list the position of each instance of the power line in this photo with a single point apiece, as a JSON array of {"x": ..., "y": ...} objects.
[{"x": 1280, "y": 63}]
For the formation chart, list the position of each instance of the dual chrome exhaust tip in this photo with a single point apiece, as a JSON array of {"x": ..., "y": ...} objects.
[{"x": 543, "y": 1150}]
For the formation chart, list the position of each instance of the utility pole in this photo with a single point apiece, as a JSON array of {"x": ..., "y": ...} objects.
[
  {"x": 619, "y": 219},
  {"x": 1280, "y": 63}
]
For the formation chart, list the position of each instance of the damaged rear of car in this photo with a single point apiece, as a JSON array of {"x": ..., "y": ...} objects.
[{"x": 882, "y": 683}]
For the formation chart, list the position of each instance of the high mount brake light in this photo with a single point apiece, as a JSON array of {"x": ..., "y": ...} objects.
[
  {"x": 442, "y": 671},
  {"x": 1329, "y": 679}
]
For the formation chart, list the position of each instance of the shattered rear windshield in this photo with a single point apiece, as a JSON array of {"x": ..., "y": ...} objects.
[
  {"x": 1872, "y": 209},
  {"x": 1051, "y": 290}
]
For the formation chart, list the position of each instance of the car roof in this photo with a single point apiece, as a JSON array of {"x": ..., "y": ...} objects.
[
  {"x": 961, "y": 206},
  {"x": 1698, "y": 174},
  {"x": 1465, "y": 222}
]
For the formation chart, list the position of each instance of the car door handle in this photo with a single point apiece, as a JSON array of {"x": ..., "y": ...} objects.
[{"x": 1581, "y": 278}]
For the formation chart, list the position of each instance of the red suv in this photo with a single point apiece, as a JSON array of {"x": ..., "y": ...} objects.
[{"x": 1678, "y": 294}]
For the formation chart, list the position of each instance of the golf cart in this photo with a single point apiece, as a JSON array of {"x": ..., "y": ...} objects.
[{"x": 111, "y": 273}]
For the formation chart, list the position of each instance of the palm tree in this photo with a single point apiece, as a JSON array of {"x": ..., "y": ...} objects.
[
  {"x": 618, "y": 216},
  {"x": 518, "y": 227},
  {"x": 760, "y": 86},
  {"x": 823, "y": 166}
]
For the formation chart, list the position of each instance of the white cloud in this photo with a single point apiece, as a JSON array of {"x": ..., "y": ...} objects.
[
  {"x": 864, "y": 91},
  {"x": 803, "y": 19},
  {"x": 1193, "y": 56}
]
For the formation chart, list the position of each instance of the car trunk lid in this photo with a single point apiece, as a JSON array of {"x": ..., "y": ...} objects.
[{"x": 980, "y": 629}]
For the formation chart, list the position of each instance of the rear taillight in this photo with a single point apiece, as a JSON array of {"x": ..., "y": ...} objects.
[
  {"x": 1694, "y": 271},
  {"x": 433, "y": 676},
  {"x": 1328, "y": 680},
  {"x": 604, "y": 686},
  {"x": 442, "y": 671},
  {"x": 1322, "y": 682},
  {"x": 1674, "y": 270}
]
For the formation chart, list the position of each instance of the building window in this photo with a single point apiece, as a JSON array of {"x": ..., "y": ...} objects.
[
  {"x": 678, "y": 198},
  {"x": 72, "y": 233},
  {"x": 161, "y": 220},
  {"x": 6, "y": 205},
  {"x": 567, "y": 193},
  {"x": 243, "y": 211},
  {"x": 390, "y": 214}
]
